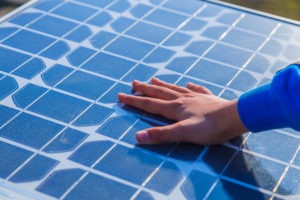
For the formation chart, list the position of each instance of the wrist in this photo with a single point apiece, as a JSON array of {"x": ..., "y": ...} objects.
[{"x": 230, "y": 122}]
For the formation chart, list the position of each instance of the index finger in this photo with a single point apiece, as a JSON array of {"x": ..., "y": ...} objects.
[{"x": 148, "y": 104}]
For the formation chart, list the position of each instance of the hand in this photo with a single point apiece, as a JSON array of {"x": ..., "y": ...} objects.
[{"x": 202, "y": 118}]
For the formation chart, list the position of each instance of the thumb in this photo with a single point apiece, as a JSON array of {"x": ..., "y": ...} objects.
[{"x": 161, "y": 134}]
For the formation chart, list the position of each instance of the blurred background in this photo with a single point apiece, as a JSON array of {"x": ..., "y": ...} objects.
[{"x": 284, "y": 8}]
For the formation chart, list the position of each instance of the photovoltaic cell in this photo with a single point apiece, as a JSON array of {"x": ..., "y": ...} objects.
[{"x": 65, "y": 135}]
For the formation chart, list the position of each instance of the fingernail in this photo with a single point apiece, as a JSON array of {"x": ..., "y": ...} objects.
[{"x": 142, "y": 136}]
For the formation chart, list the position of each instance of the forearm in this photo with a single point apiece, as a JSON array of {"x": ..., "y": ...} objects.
[{"x": 275, "y": 105}]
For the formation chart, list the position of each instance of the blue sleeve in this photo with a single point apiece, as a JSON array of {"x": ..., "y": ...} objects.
[{"x": 275, "y": 105}]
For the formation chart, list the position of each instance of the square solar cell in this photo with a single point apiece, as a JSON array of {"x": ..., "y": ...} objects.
[
  {"x": 244, "y": 39},
  {"x": 11, "y": 59},
  {"x": 108, "y": 65},
  {"x": 128, "y": 47},
  {"x": 290, "y": 184},
  {"x": 7, "y": 86},
  {"x": 255, "y": 170},
  {"x": 11, "y": 158},
  {"x": 112, "y": 95},
  {"x": 188, "y": 7},
  {"x": 59, "y": 106},
  {"x": 100, "y": 19},
  {"x": 6, "y": 113},
  {"x": 79, "y": 34},
  {"x": 213, "y": 72},
  {"x": 24, "y": 19},
  {"x": 229, "y": 55},
  {"x": 85, "y": 85},
  {"x": 198, "y": 47},
  {"x": 59, "y": 182},
  {"x": 46, "y": 5},
  {"x": 178, "y": 39},
  {"x": 257, "y": 24},
  {"x": 34, "y": 42},
  {"x": 181, "y": 64},
  {"x": 197, "y": 185},
  {"x": 140, "y": 10},
  {"x": 30, "y": 69},
  {"x": 27, "y": 95},
  {"x": 80, "y": 55},
  {"x": 210, "y": 10},
  {"x": 55, "y": 74},
  {"x": 95, "y": 115},
  {"x": 193, "y": 25},
  {"x": 225, "y": 190},
  {"x": 99, "y": 187},
  {"x": 53, "y": 25},
  {"x": 219, "y": 164},
  {"x": 109, "y": 129},
  {"x": 99, "y": 3},
  {"x": 79, "y": 12},
  {"x": 284, "y": 151},
  {"x": 66, "y": 141},
  {"x": 122, "y": 23},
  {"x": 34, "y": 170},
  {"x": 56, "y": 51},
  {"x": 166, "y": 18},
  {"x": 141, "y": 73},
  {"x": 30, "y": 130},
  {"x": 244, "y": 81},
  {"x": 148, "y": 32},
  {"x": 160, "y": 181},
  {"x": 90, "y": 152},
  {"x": 160, "y": 55},
  {"x": 135, "y": 166}
]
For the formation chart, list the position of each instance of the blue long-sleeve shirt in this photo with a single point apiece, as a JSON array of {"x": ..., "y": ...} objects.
[{"x": 274, "y": 105}]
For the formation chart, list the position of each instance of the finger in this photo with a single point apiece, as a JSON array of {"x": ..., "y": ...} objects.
[
  {"x": 162, "y": 134},
  {"x": 155, "y": 81},
  {"x": 155, "y": 91},
  {"x": 198, "y": 88},
  {"x": 148, "y": 104}
]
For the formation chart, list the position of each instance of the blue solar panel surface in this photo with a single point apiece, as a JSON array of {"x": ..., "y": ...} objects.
[{"x": 63, "y": 134}]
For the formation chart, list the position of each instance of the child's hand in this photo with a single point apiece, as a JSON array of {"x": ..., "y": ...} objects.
[{"x": 202, "y": 118}]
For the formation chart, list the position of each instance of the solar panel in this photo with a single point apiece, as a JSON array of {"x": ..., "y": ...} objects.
[{"x": 63, "y": 134}]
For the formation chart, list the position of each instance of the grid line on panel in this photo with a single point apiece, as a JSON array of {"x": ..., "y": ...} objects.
[
  {"x": 252, "y": 56},
  {"x": 207, "y": 50},
  {"x": 223, "y": 176},
  {"x": 43, "y": 146},
  {"x": 101, "y": 50},
  {"x": 284, "y": 173},
  {"x": 135, "y": 122},
  {"x": 63, "y": 35},
  {"x": 219, "y": 176},
  {"x": 67, "y": 192},
  {"x": 140, "y": 188},
  {"x": 61, "y": 38},
  {"x": 20, "y": 28}
]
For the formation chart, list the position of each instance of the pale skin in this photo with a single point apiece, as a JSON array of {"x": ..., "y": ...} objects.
[{"x": 201, "y": 117}]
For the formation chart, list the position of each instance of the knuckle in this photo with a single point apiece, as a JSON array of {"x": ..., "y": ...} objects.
[
  {"x": 159, "y": 135},
  {"x": 187, "y": 95},
  {"x": 146, "y": 101}
]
